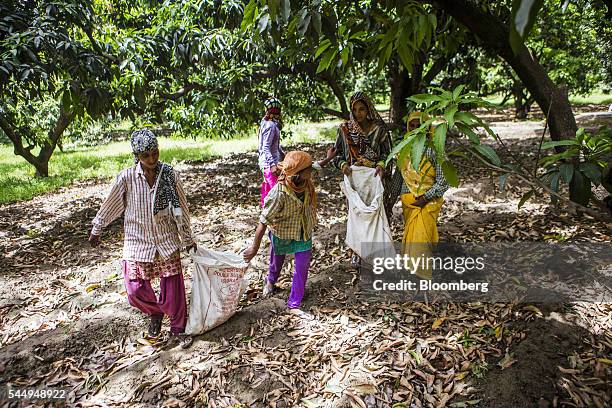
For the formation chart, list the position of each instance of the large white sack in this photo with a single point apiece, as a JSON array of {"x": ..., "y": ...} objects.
[
  {"x": 218, "y": 284},
  {"x": 367, "y": 228}
]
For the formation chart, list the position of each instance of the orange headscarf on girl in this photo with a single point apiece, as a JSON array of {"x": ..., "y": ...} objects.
[{"x": 294, "y": 163}]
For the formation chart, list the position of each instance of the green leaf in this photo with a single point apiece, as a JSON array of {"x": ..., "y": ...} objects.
[
  {"x": 525, "y": 197},
  {"x": 322, "y": 47},
  {"x": 592, "y": 171},
  {"x": 554, "y": 182},
  {"x": 263, "y": 22},
  {"x": 401, "y": 145},
  {"x": 424, "y": 98},
  {"x": 344, "y": 55},
  {"x": 326, "y": 60},
  {"x": 450, "y": 173},
  {"x": 489, "y": 154},
  {"x": 502, "y": 182},
  {"x": 359, "y": 35},
  {"x": 440, "y": 140},
  {"x": 449, "y": 115},
  {"x": 524, "y": 13},
  {"x": 304, "y": 22},
  {"x": 580, "y": 189},
  {"x": 469, "y": 132},
  {"x": 316, "y": 22},
  {"x": 555, "y": 143},
  {"x": 405, "y": 56},
  {"x": 274, "y": 7},
  {"x": 286, "y": 10},
  {"x": 516, "y": 42},
  {"x": 466, "y": 117},
  {"x": 566, "y": 170},
  {"x": 249, "y": 15},
  {"x": 457, "y": 92},
  {"x": 417, "y": 150},
  {"x": 403, "y": 156},
  {"x": 580, "y": 135}
]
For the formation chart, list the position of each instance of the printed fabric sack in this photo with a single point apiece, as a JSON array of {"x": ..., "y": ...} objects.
[
  {"x": 218, "y": 284},
  {"x": 367, "y": 228}
]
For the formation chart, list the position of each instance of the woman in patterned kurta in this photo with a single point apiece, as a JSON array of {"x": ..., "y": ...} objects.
[{"x": 364, "y": 140}]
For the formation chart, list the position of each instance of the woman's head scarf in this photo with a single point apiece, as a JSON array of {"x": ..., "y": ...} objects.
[
  {"x": 373, "y": 114},
  {"x": 165, "y": 197},
  {"x": 294, "y": 163},
  {"x": 143, "y": 141},
  {"x": 273, "y": 111}
]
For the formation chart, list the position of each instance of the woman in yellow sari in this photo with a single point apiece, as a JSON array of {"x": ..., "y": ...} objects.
[{"x": 421, "y": 197}]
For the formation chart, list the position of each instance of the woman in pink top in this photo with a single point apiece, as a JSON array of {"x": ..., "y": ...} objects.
[
  {"x": 269, "y": 149},
  {"x": 156, "y": 226}
]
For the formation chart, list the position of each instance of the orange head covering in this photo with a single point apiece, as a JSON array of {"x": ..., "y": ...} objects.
[{"x": 294, "y": 163}]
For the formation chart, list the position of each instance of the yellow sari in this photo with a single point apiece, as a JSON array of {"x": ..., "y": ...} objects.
[{"x": 420, "y": 224}]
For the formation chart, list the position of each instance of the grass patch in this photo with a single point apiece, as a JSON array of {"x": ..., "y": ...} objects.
[
  {"x": 17, "y": 181},
  {"x": 596, "y": 98}
]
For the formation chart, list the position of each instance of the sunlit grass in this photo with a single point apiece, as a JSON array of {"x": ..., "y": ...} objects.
[
  {"x": 17, "y": 181},
  {"x": 595, "y": 98}
]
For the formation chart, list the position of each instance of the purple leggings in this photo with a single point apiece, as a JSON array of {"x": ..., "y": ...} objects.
[
  {"x": 302, "y": 263},
  {"x": 171, "y": 298}
]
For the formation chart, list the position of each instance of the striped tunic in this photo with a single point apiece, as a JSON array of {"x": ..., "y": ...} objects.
[{"x": 130, "y": 193}]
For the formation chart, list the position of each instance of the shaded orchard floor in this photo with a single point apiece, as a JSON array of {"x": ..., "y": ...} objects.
[{"x": 65, "y": 321}]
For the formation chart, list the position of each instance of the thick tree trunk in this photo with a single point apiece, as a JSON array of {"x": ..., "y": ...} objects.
[
  {"x": 495, "y": 36},
  {"x": 520, "y": 101},
  {"x": 40, "y": 162},
  {"x": 402, "y": 86},
  {"x": 338, "y": 92}
]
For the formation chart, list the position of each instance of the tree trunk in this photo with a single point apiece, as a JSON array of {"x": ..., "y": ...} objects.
[
  {"x": 520, "y": 101},
  {"x": 338, "y": 92},
  {"x": 40, "y": 162},
  {"x": 495, "y": 36},
  {"x": 402, "y": 86}
]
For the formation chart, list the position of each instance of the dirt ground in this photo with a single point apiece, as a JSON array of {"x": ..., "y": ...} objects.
[{"x": 65, "y": 321}]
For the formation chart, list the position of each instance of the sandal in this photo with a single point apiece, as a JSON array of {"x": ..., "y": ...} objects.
[
  {"x": 355, "y": 261},
  {"x": 185, "y": 340},
  {"x": 155, "y": 325},
  {"x": 301, "y": 314},
  {"x": 268, "y": 289}
]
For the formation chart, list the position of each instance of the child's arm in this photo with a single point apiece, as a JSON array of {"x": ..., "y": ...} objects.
[
  {"x": 109, "y": 211},
  {"x": 252, "y": 250},
  {"x": 273, "y": 204},
  {"x": 186, "y": 234}
]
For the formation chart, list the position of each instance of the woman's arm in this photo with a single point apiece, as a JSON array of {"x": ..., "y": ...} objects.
[
  {"x": 440, "y": 185},
  {"x": 112, "y": 207},
  {"x": 383, "y": 148},
  {"x": 331, "y": 153},
  {"x": 186, "y": 234},
  {"x": 267, "y": 135}
]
